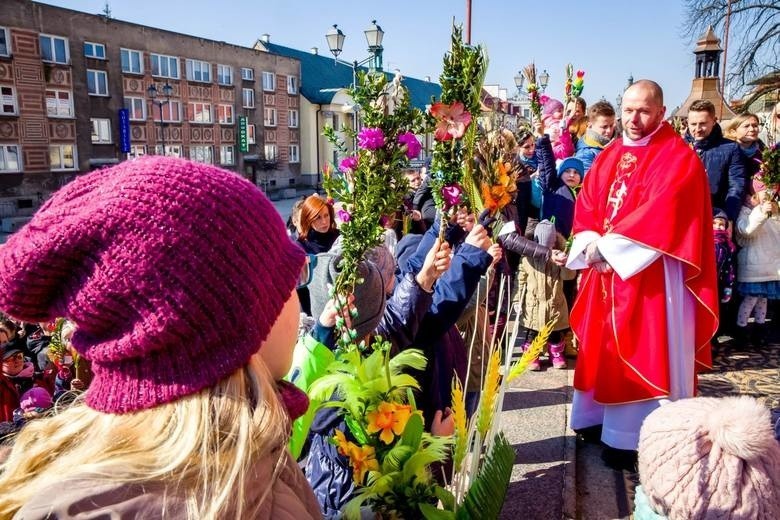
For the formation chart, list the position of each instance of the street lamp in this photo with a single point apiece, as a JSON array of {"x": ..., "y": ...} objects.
[
  {"x": 544, "y": 79},
  {"x": 519, "y": 79},
  {"x": 374, "y": 35},
  {"x": 167, "y": 90}
]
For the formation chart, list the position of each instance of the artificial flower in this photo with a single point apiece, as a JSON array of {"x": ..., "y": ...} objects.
[
  {"x": 371, "y": 138},
  {"x": 413, "y": 146},
  {"x": 544, "y": 98},
  {"x": 342, "y": 444},
  {"x": 343, "y": 215},
  {"x": 363, "y": 459},
  {"x": 452, "y": 120},
  {"x": 349, "y": 163},
  {"x": 382, "y": 420},
  {"x": 452, "y": 194}
]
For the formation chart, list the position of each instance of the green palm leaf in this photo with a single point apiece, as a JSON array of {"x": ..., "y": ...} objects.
[
  {"x": 486, "y": 494},
  {"x": 409, "y": 358}
]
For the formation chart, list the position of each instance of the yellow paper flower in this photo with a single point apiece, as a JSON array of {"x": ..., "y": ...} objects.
[
  {"x": 388, "y": 418},
  {"x": 363, "y": 459}
]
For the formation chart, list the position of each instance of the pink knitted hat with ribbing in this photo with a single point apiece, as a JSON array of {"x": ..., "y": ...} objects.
[
  {"x": 710, "y": 458},
  {"x": 174, "y": 273}
]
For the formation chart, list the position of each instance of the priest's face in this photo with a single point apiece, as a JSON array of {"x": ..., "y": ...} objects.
[{"x": 642, "y": 111}]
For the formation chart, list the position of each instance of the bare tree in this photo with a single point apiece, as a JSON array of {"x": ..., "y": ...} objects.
[{"x": 754, "y": 35}]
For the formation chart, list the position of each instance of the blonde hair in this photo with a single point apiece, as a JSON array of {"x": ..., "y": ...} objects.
[
  {"x": 201, "y": 447},
  {"x": 731, "y": 129}
]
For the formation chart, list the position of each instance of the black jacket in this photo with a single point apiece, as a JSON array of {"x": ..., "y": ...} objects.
[{"x": 725, "y": 166}]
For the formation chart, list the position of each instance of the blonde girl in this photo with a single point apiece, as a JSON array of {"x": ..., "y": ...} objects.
[{"x": 182, "y": 419}]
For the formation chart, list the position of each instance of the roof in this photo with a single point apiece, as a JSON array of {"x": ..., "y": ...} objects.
[
  {"x": 322, "y": 76},
  {"x": 708, "y": 42}
]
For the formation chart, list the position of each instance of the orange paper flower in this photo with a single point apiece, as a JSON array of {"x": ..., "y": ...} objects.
[
  {"x": 500, "y": 194},
  {"x": 363, "y": 459},
  {"x": 390, "y": 419}
]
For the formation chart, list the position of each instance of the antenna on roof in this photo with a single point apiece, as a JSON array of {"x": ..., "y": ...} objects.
[{"x": 107, "y": 11}]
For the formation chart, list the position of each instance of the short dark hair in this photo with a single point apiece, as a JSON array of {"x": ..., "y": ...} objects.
[
  {"x": 600, "y": 108},
  {"x": 702, "y": 105}
]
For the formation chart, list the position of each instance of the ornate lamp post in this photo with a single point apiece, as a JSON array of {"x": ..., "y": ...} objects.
[{"x": 167, "y": 90}]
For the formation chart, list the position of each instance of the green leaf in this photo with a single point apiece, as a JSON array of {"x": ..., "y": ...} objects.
[
  {"x": 356, "y": 429},
  {"x": 447, "y": 498},
  {"x": 396, "y": 457},
  {"x": 412, "y": 434},
  {"x": 486, "y": 494},
  {"x": 432, "y": 513}
]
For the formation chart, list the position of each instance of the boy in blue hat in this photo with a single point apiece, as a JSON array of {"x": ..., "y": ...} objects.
[{"x": 560, "y": 192}]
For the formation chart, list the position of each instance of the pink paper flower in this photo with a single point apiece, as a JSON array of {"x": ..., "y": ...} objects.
[
  {"x": 371, "y": 138},
  {"x": 543, "y": 99},
  {"x": 580, "y": 73},
  {"x": 343, "y": 215},
  {"x": 452, "y": 120},
  {"x": 349, "y": 163},
  {"x": 413, "y": 146},
  {"x": 452, "y": 195}
]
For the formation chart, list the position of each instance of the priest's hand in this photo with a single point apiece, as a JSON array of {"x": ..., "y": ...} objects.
[
  {"x": 592, "y": 254},
  {"x": 602, "y": 267}
]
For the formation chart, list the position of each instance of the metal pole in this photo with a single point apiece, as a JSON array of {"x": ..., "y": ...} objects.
[
  {"x": 354, "y": 105},
  {"x": 162, "y": 128},
  {"x": 468, "y": 22},
  {"x": 725, "y": 54}
]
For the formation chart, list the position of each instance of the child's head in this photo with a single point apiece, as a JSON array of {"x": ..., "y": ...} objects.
[
  {"x": 545, "y": 234},
  {"x": 571, "y": 172},
  {"x": 35, "y": 398},
  {"x": 576, "y": 108},
  {"x": 8, "y": 330},
  {"x": 720, "y": 221},
  {"x": 552, "y": 109},
  {"x": 318, "y": 215},
  {"x": 709, "y": 458},
  {"x": 601, "y": 119},
  {"x": 13, "y": 361},
  {"x": 145, "y": 258}
]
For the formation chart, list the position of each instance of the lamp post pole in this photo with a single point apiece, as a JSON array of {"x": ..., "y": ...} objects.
[
  {"x": 167, "y": 90},
  {"x": 374, "y": 34}
]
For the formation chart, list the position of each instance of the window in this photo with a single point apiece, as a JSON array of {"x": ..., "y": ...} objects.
[
  {"x": 199, "y": 112},
  {"x": 227, "y": 154},
  {"x": 132, "y": 61},
  {"x": 269, "y": 116},
  {"x": 269, "y": 81},
  {"x": 54, "y": 48},
  {"x": 292, "y": 118},
  {"x": 136, "y": 151},
  {"x": 271, "y": 152},
  {"x": 62, "y": 156},
  {"x": 171, "y": 150},
  {"x": 292, "y": 85},
  {"x": 295, "y": 154},
  {"x": 248, "y": 95},
  {"x": 9, "y": 158},
  {"x": 94, "y": 50},
  {"x": 136, "y": 108},
  {"x": 5, "y": 46},
  {"x": 8, "y": 105},
  {"x": 59, "y": 103},
  {"x": 250, "y": 134},
  {"x": 225, "y": 114},
  {"x": 165, "y": 66},
  {"x": 101, "y": 131},
  {"x": 201, "y": 154},
  {"x": 97, "y": 82},
  {"x": 171, "y": 111},
  {"x": 224, "y": 74},
  {"x": 247, "y": 74},
  {"x": 199, "y": 71}
]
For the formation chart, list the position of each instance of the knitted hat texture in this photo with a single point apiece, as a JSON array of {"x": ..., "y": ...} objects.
[
  {"x": 710, "y": 458},
  {"x": 173, "y": 272},
  {"x": 545, "y": 233}
]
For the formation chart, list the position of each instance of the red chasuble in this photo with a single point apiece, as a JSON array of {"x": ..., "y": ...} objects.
[{"x": 657, "y": 196}]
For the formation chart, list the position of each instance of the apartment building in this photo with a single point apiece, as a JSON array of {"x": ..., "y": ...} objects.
[{"x": 80, "y": 91}]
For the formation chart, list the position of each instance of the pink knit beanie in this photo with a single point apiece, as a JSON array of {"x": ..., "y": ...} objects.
[
  {"x": 551, "y": 107},
  {"x": 710, "y": 458},
  {"x": 173, "y": 272}
]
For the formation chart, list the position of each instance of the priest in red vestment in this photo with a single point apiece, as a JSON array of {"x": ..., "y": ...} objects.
[{"x": 647, "y": 304}]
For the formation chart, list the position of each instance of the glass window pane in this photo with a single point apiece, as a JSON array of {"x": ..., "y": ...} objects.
[
  {"x": 174, "y": 68},
  {"x": 91, "y": 82},
  {"x": 45, "y": 48},
  {"x": 54, "y": 157},
  {"x": 136, "y": 56},
  {"x": 67, "y": 155},
  {"x": 100, "y": 51},
  {"x": 102, "y": 83},
  {"x": 59, "y": 50}
]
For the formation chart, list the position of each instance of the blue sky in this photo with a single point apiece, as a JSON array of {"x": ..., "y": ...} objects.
[{"x": 608, "y": 39}]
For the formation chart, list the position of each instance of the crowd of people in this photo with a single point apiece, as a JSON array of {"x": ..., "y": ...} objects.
[{"x": 634, "y": 238}]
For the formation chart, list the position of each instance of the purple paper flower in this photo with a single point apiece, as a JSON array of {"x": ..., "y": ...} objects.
[
  {"x": 413, "y": 146},
  {"x": 452, "y": 195},
  {"x": 343, "y": 215},
  {"x": 349, "y": 163},
  {"x": 371, "y": 138}
]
